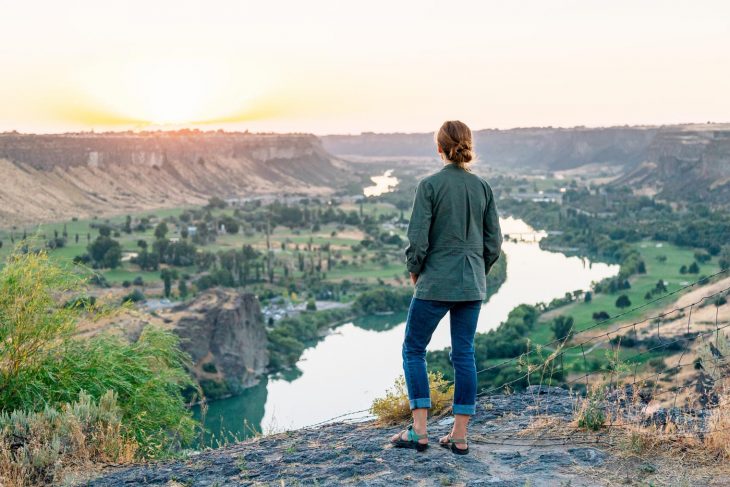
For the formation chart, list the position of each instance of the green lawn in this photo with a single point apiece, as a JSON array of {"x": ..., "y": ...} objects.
[
  {"x": 668, "y": 271},
  {"x": 369, "y": 270}
]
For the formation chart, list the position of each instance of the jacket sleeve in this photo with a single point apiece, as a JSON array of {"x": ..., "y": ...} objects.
[
  {"x": 492, "y": 233},
  {"x": 418, "y": 228}
]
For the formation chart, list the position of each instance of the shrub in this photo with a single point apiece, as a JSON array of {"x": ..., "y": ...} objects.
[
  {"x": 590, "y": 414},
  {"x": 562, "y": 327},
  {"x": 135, "y": 296},
  {"x": 623, "y": 301},
  {"x": 394, "y": 407},
  {"x": 43, "y": 365},
  {"x": 601, "y": 316},
  {"x": 35, "y": 446}
]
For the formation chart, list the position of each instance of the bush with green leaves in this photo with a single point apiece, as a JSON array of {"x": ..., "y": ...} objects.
[{"x": 43, "y": 364}]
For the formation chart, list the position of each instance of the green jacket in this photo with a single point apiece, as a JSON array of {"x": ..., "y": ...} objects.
[{"x": 453, "y": 236}]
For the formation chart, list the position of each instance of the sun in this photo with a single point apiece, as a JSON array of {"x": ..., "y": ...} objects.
[
  {"x": 164, "y": 91},
  {"x": 170, "y": 92}
]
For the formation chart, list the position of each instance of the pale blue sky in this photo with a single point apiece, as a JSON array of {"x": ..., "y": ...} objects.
[{"x": 345, "y": 67}]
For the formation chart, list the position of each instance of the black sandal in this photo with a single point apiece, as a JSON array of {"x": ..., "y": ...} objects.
[
  {"x": 412, "y": 441},
  {"x": 451, "y": 445}
]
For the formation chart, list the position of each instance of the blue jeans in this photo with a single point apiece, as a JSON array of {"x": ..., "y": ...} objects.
[{"x": 423, "y": 317}]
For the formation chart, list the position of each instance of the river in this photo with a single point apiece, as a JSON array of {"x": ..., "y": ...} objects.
[{"x": 358, "y": 361}]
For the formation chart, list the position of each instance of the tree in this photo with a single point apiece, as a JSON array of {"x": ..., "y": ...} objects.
[
  {"x": 182, "y": 288},
  {"x": 601, "y": 316},
  {"x": 167, "y": 276},
  {"x": 161, "y": 230},
  {"x": 623, "y": 301},
  {"x": 105, "y": 231},
  {"x": 231, "y": 225},
  {"x": 588, "y": 297},
  {"x": 693, "y": 268},
  {"x": 147, "y": 261},
  {"x": 724, "y": 259},
  {"x": 128, "y": 224},
  {"x": 562, "y": 327},
  {"x": 105, "y": 252}
]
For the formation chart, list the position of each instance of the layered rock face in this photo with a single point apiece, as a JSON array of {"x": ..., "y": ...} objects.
[
  {"x": 690, "y": 163},
  {"x": 538, "y": 148},
  {"x": 47, "y": 177},
  {"x": 224, "y": 333}
]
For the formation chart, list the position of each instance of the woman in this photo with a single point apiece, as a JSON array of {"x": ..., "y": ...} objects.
[{"x": 454, "y": 239}]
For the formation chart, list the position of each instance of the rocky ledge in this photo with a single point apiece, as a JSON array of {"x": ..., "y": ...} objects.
[{"x": 511, "y": 444}]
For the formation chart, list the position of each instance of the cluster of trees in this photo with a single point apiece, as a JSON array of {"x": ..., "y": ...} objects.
[
  {"x": 600, "y": 222},
  {"x": 103, "y": 253},
  {"x": 382, "y": 299},
  {"x": 509, "y": 340}
]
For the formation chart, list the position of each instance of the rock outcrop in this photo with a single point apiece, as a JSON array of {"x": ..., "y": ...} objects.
[
  {"x": 515, "y": 440},
  {"x": 531, "y": 148},
  {"x": 224, "y": 333},
  {"x": 50, "y": 177},
  {"x": 677, "y": 162},
  {"x": 690, "y": 163}
]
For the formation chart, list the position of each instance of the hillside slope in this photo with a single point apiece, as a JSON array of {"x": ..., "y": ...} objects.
[
  {"x": 48, "y": 177},
  {"x": 689, "y": 163},
  {"x": 682, "y": 163},
  {"x": 525, "y": 148}
]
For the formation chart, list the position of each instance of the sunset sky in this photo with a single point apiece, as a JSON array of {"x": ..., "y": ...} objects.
[{"x": 346, "y": 67}]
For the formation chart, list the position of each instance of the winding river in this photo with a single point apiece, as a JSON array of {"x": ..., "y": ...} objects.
[{"x": 358, "y": 361}]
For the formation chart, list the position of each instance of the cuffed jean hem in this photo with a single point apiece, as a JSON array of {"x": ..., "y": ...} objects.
[
  {"x": 419, "y": 403},
  {"x": 467, "y": 409}
]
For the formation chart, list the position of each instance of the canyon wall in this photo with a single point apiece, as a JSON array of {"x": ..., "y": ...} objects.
[
  {"x": 50, "y": 177},
  {"x": 681, "y": 163},
  {"x": 689, "y": 163},
  {"x": 525, "y": 148}
]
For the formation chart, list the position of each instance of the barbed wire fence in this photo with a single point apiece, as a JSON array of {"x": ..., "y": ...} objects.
[{"x": 623, "y": 401}]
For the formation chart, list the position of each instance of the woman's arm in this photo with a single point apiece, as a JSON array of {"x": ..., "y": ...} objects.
[
  {"x": 492, "y": 233},
  {"x": 418, "y": 229}
]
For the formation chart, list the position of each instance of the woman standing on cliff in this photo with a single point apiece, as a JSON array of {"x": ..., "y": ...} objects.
[{"x": 454, "y": 239}]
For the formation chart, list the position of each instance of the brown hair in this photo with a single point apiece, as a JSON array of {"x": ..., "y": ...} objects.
[{"x": 454, "y": 138}]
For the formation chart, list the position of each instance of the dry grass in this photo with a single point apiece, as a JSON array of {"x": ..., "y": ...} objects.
[
  {"x": 36, "y": 448},
  {"x": 394, "y": 408}
]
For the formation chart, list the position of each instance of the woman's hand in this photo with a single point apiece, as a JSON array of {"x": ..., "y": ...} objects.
[{"x": 414, "y": 278}]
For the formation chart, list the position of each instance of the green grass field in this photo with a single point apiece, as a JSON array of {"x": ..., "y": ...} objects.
[
  {"x": 357, "y": 270},
  {"x": 656, "y": 269}
]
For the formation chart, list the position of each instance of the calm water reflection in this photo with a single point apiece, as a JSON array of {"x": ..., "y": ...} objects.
[
  {"x": 360, "y": 360},
  {"x": 383, "y": 184}
]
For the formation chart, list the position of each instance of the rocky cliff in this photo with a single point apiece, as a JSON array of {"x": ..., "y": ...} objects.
[
  {"x": 224, "y": 333},
  {"x": 689, "y": 163},
  {"x": 677, "y": 163},
  {"x": 538, "y": 148},
  {"x": 48, "y": 177}
]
